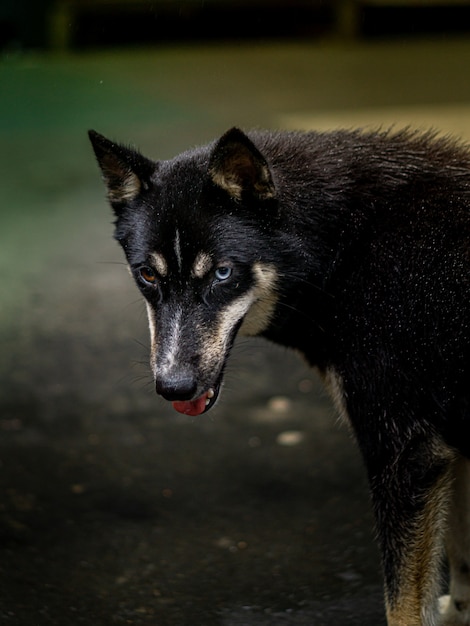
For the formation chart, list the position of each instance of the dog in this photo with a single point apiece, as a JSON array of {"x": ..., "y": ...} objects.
[{"x": 353, "y": 248}]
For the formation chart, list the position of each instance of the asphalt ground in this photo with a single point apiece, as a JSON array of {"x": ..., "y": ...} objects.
[{"x": 113, "y": 508}]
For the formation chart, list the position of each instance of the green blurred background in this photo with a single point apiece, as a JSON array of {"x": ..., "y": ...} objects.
[{"x": 113, "y": 510}]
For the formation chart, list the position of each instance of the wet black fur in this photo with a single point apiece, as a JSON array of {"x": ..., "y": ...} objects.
[{"x": 369, "y": 233}]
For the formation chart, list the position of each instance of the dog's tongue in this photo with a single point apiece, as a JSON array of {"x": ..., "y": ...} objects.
[{"x": 191, "y": 407}]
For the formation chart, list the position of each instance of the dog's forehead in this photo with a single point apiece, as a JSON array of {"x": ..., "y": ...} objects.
[
  {"x": 178, "y": 185},
  {"x": 187, "y": 232},
  {"x": 182, "y": 175},
  {"x": 193, "y": 247},
  {"x": 190, "y": 232}
]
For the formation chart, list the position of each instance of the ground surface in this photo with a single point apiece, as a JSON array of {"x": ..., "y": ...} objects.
[{"x": 113, "y": 508}]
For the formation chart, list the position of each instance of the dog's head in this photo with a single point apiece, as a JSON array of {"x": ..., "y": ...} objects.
[{"x": 193, "y": 232}]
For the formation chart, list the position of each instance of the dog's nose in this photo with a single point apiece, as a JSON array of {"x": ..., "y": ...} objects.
[{"x": 177, "y": 388}]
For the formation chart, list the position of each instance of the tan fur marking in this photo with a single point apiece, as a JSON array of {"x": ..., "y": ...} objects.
[
  {"x": 240, "y": 172},
  {"x": 457, "y": 609},
  {"x": 257, "y": 305},
  {"x": 160, "y": 263},
  {"x": 416, "y": 604},
  {"x": 334, "y": 386},
  {"x": 123, "y": 184},
  {"x": 202, "y": 265},
  {"x": 264, "y": 301},
  {"x": 229, "y": 183}
]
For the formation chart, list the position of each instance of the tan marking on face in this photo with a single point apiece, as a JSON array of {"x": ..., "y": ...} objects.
[
  {"x": 256, "y": 306},
  {"x": 160, "y": 263},
  {"x": 215, "y": 338},
  {"x": 202, "y": 265},
  {"x": 264, "y": 301}
]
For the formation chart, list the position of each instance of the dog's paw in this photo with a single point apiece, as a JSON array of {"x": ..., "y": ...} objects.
[{"x": 453, "y": 613}]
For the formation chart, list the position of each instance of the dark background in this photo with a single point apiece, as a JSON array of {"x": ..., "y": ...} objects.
[
  {"x": 113, "y": 508},
  {"x": 28, "y": 23}
]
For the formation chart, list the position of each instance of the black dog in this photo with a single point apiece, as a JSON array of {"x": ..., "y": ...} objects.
[{"x": 354, "y": 249}]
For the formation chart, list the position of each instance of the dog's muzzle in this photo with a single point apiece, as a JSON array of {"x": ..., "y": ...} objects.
[{"x": 183, "y": 393}]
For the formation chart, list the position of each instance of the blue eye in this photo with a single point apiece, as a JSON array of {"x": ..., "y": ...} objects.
[{"x": 223, "y": 272}]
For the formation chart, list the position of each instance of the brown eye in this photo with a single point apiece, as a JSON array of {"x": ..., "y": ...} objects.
[{"x": 148, "y": 275}]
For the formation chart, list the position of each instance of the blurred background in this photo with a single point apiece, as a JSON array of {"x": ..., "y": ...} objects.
[{"x": 113, "y": 508}]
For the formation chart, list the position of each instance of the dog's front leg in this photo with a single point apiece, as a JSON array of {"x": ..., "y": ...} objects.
[
  {"x": 411, "y": 487},
  {"x": 457, "y": 604}
]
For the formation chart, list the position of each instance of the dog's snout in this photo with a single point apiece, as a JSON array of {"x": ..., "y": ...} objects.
[{"x": 176, "y": 388}]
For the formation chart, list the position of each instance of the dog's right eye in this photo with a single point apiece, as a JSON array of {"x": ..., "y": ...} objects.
[{"x": 148, "y": 276}]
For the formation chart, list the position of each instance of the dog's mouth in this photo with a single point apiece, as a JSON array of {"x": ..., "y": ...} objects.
[{"x": 200, "y": 405}]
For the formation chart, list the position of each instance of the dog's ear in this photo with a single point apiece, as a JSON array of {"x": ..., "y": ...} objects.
[
  {"x": 238, "y": 167},
  {"x": 125, "y": 172}
]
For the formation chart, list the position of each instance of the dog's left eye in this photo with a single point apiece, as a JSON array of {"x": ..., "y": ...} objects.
[
  {"x": 223, "y": 272},
  {"x": 148, "y": 275}
]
